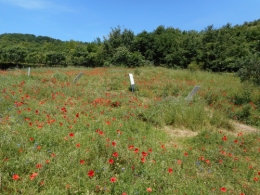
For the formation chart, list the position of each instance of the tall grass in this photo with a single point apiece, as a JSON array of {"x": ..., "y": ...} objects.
[{"x": 97, "y": 137}]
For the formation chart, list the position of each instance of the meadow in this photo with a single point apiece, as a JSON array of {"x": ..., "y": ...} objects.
[{"x": 95, "y": 136}]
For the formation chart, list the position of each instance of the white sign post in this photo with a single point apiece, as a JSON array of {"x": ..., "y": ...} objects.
[
  {"x": 29, "y": 71},
  {"x": 78, "y": 77},
  {"x": 132, "y": 82},
  {"x": 192, "y": 93}
]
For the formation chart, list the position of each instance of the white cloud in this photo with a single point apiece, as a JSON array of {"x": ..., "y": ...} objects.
[
  {"x": 37, "y": 4},
  {"x": 28, "y": 4}
]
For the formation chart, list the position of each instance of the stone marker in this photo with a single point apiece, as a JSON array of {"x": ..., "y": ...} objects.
[
  {"x": 192, "y": 93},
  {"x": 29, "y": 71},
  {"x": 78, "y": 77},
  {"x": 132, "y": 82}
]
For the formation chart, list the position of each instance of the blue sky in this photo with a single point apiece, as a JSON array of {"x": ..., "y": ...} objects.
[{"x": 85, "y": 20}]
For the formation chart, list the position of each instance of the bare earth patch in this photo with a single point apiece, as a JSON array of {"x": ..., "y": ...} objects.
[
  {"x": 173, "y": 132},
  {"x": 244, "y": 128}
]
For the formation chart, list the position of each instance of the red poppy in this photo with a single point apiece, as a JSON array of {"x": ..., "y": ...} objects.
[
  {"x": 15, "y": 177},
  {"x": 78, "y": 145},
  {"x": 91, "y": 173},
  {"x": 111, "y": 161},
  {"x": 113, "y": 179},
  {"x": 144, "y": 154},
  {"x": 224, "y": 138},
  {"x": 115, "y": 154},
  {"x": 39, "y": 166},
  {"x": 82, "y": 162},
  {"x": 170, "y": 170},
  {"x": 71, "y": 134},
  {"x": 124, "y": 193},
  {"x": 256, "y": 179},
  {"x": 130, "y": 147},
  {"x": 33, "y": 175},
  {"x": 185, "y": 154},
  {"x": 143, "y": 160},
  {"x": 113, "y": 143},
  {"x": 149, "y": 190},
  {"x": 223, "y": 189},
  {"x": 179, "y": 162}
]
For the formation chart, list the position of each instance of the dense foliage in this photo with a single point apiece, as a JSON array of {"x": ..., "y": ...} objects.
[{"x": 222, "y": 49}]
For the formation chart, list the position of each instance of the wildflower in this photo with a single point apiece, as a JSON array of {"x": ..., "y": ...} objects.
[
  {"x": 82, "y": 162},
  {"x": 149, "y": 190},
  {"x": 113, "y": 179},
  {"x": 143, "y": 160},
  {"x": 179, "y": 162},
  {"x": 113, "y": 143},
  {"x": 170, "y": 170},
  {"x": 39, "y": 166},
  {"x": 255, "y": 178},
  {"x": 71, "y": 134},
  {"x": 223, "y": 189},
  {"x": 47, "y": 161},
  {"x": 224, "y": 138},
  {"x": 91, "y": 173},
  {"x": 15, "y": 177},
  {"x": 207, "y": 161},
  {"x": 124, "y": 193},
  {"x": 78, "y": 145},
  {"x": 115, "y": 154},
  {"x": 33, "y": 175},
  {"x": 144, "y": 154},
  {"x": 111, "y": 161},
  {"x": 185, "y": 154},
  {"x": 130, "y": 147}
]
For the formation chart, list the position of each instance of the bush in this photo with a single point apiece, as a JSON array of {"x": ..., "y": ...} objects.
[{"x": 250, "y": 69}]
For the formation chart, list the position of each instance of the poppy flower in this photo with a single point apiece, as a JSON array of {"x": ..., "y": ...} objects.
[
  {"x": 115, "y": 154},
  {"x": 33, "y": 175},
  {"x": 149, "y": 190},
  {"x": 170, "y": 170},
  {"x": 130, "y": 147},
  {"x": 224, "y": 138},
  {"x": 91, "y": 173},
  {"x": 223, "y": 189},
  {"x": 144, "y": 154},
  {"x": 113, "y": 143},
  {"x": 82, "y": 162},
  {"x": 15, "y": 177},
  {"x": 39, "y": 166},
  {"x": 111, "y": 161},
  {"x": 113, "y": 179}
]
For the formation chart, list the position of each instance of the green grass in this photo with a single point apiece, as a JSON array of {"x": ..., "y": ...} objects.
[{"x": 62, "y": 131}]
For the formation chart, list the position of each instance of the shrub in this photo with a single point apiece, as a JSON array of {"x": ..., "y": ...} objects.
[{"x": 250, "y": 69}]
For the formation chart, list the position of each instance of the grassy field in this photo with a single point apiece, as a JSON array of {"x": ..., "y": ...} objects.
[{"x": 95, "y": 136}]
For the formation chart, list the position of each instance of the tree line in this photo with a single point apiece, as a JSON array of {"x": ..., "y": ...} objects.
[{"x": 229, "y": 48}]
